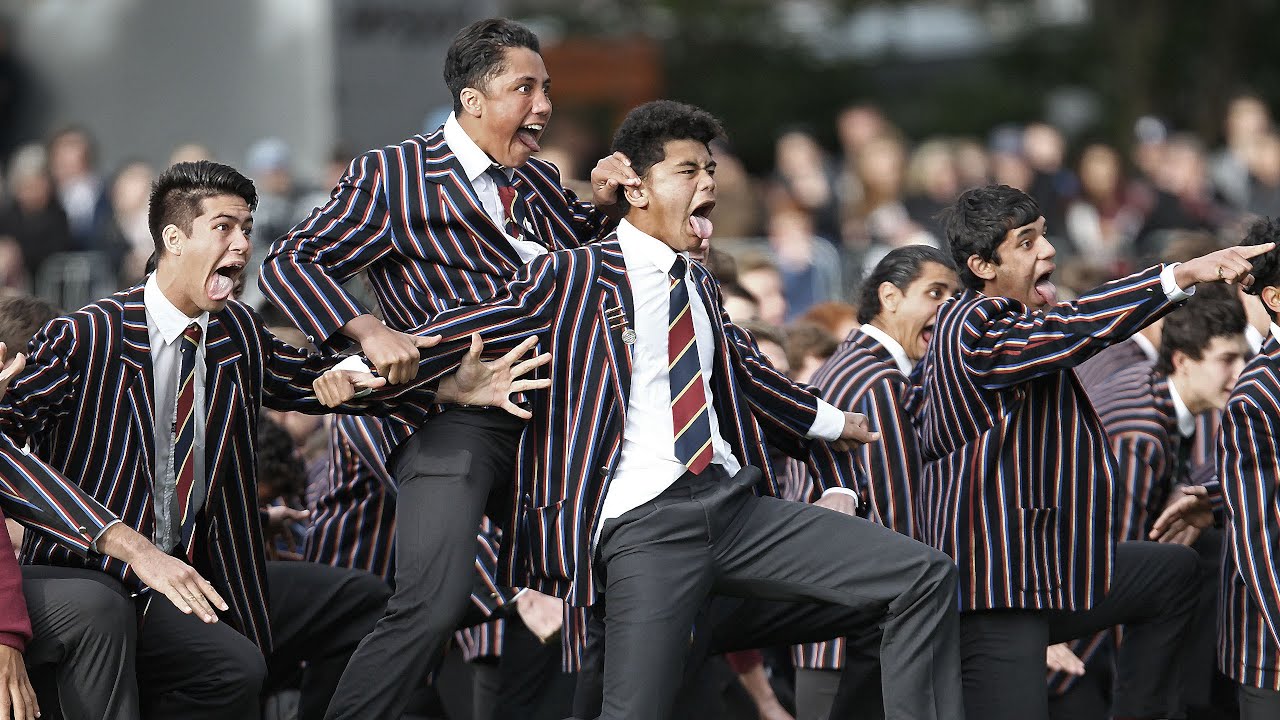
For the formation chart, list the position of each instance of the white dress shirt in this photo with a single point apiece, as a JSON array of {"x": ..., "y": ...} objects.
[
  {"x": 648, "y": 463},
  {"x": 1254, "y": 338},
  {"x": 1146, "y": 346},
  {"x": 475, "y": 162},
  {"x": 165, "y": 325},
  {"x": 894, "y": 347},
  {"x": 1186, "y": 421}
]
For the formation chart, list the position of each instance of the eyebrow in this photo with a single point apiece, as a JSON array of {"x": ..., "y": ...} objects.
[
  {"x": 693, "y": 163},
  {"x": 226, "y": 216}
]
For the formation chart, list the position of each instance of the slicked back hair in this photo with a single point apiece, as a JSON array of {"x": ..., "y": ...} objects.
[
  {"x": 176, "y": 195},
  {"x": 478, "y": 54}
]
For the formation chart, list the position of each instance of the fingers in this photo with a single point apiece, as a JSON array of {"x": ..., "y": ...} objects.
[
  {"x": 518, "y": 351},
  {"x": 516, "y": 410},
  {"x": 477, "y": 347},
  {"x": 1253, "y": 251},
  {"x": 531, "y": 364},
  {"x": 426, "y": 341},
  {"x": 369, "y": 381},
  {"x": 520, "y": 386}
]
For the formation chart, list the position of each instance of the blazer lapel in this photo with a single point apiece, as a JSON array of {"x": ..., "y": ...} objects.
[
  {"x": 135, "y": 353},
  {"x": 441, "y": 167},
  {"x": 224, "y": 398},
  {"x": 616, "y": 316}
]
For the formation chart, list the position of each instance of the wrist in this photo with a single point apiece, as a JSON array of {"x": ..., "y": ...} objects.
[
  {"x": 361, "y": 327},
  {"x": 447, "y": 391},
  {"x": 1182, "y": 277},
  {"x": 122, "y": 543}
]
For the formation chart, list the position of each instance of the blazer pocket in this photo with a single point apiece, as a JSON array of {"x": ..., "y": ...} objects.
[
  {"x": 1038, "y": 533},
  {"x": 546, "y": 551}
]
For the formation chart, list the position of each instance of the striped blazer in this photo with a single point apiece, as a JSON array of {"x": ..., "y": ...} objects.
[
  {"x": 862, "y": 377},
  {"x": 1100, "y": 368},
  {"x": 1138, "y": 414},
  {"x": 85, "y": 404},
  {"x": 1249, "y": 469},
  {"x": 408, "y": 216},
  {"x": 572, "y": 446},
  {"x": 1018, "y": 478}
]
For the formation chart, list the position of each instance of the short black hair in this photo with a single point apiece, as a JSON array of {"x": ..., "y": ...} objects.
[
  {"x": 20, "y": 317},
  {"x": 478, "y": 54},
  {"x": 279, "y": 466},
  {"x": 176, "y": 195},
  {"x": 901, "y": 267},
  {"x": 646, "y": 130},
  {"x": 978, "y": 222},
  {"x": 1191, "y": 328},
  {"x": 1266, "y": 267}
]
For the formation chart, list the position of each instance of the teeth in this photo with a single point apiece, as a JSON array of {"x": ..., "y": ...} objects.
[{"x": 534, "y": 128}]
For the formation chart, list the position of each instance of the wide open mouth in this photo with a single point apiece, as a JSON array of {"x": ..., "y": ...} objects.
[
  {"x": 700, "y": 221},
  {"x": 530, "y": 134},
  {"x": 1045, "y": 288},
  {"x": 222, "y": 283}
]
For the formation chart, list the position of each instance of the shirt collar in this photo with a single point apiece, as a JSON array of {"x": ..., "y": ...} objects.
[
  {"x": 167, "y": 318},
  {"x": 1255, "y": 338},
  {"x": 1186, "y": 421},
  {"x": 1146, "y": 346},
  {"x": 894, "y": 347},
  {"x": 643, "y": 246},
  {"x": 474, "y": 160}
]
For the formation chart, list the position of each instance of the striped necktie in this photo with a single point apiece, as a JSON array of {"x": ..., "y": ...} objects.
[
  {"x": 184, "y": 431},
  {"x": 689, "y": 412},
  {"x": 511, "y": 211}
]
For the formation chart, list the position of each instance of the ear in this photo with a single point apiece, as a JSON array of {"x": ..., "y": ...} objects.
[
  {"x": 1270, "y": 297},
  {"x": 890, "y": 295},
  {"x": 472, "y": 101},
  {"x": 1177, "y": 361},
  {"x": 638, "y": 195},
  {"x": 173, "y": 238},
  {"x": 984, "y": 269}
]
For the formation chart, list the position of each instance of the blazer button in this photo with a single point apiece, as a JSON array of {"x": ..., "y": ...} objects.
[
  {"x": 84, "y": 531},
  {"x": 604, "y": 472},
  {"x": 311, "y": 338}
]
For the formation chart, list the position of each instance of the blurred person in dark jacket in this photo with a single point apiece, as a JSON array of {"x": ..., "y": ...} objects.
[{"x": 32, "y": 217}]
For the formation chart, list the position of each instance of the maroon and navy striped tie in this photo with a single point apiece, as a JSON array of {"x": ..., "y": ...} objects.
[
  {"x": 507, "y": 195},
  {"x": 689, "y": 411},
  {"x": 184, "y": 432}
]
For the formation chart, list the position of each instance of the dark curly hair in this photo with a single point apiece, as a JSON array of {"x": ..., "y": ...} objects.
[
  {"x": 478, "y": 54},
  {"x": 1266, "y": 267},
  {"x": 279, "y": 466},
  {"x": 1190, "y": 328},
  {"x": 646, "y": 130},
  {"x": 979, "y": 221},
  {"x": 178, "y": 192}
]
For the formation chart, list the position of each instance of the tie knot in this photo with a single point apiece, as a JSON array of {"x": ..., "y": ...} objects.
[
  {"x": 678, "y": 268},
  {"x": 499, "y": 176},
  {"x": 192, "y": 333}
]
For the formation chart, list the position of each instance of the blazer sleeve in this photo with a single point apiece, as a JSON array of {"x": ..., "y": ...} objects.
[
  {"x": 1002, "y": 344},
  {"x": 32, "y": 491},
  {"x": 1248, "y": 458},
  {"x": 304, "y": 271},
  {"x": 1141, "y": 463},
  {"x": 15, "y": 624}
]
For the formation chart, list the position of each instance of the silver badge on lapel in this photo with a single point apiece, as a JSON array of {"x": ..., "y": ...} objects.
[
  {"x": 617, "y": 318},
  {"x": 629, "y": 336}
]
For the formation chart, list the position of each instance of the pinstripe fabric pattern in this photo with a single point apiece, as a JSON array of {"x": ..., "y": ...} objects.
[
  {"x": 1100, "y": 368},
  {"x": 861, "y": 376},
  {"x": 572, "y": 446},
  {"x": 407, "y": 215},
  {"x": 1018, "y": 479},
  {"x": 1249, "y": 468},
  {"x": 1137, "y": 413},
  {"x": 85, "y": 403}
]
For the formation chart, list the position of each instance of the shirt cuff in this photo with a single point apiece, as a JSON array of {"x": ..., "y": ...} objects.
[
  {"x": 843, "y": 491},
  {"x": 353, "y": 363},
  {"x": 828, "y": 424},
  {"x": 1170, "y": 286},
  {"x": 94, "y": 545}
]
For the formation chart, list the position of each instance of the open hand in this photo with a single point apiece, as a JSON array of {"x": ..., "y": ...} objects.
[
  {"x": 163, "y": 573},
  {"x": 10, "y": 368},
  {"x": 1059, "y": 658},
  {"x": 492, "y": 383},
  {"x": 17, "y": 697},
  {"x": 1187, "y": 513}
]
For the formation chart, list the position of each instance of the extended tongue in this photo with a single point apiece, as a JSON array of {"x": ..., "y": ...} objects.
[
  {"x": 1048, "y": 292},
  {"x": 529, "y": 139},
  {"x": 220, "y": 287},
  {"x": 700, "y": 226}
]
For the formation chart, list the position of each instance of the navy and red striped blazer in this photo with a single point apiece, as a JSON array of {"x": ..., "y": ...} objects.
[
  {"x": 1018, "y": 476},
  {"x": 862, "y": 377},
  {"x": 571, "y": 448},
  {"x": 85, "y": 404},
  {"x": 1249, "y": 469},
  {"x": 409, "y": 218}
]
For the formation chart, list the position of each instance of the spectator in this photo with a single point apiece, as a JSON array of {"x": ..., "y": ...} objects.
[
  {"x": 932, "y": 184},
  {"x": 837, "y": 318},
  {"x": 739, "y": 304},
  {"x": 760, "y": 276},
  {"x": 1183, "y": 196},
  {"x": 804, "y": 176},
  {"x": 80, "y": 190},
  {"x": 807, "y": 346},
  {"x": 127, "y": 229},
  {"x": 32, "y": 217},
  {"x": 1247, "y": 122},
  {"x": 1102, "y": 222}
]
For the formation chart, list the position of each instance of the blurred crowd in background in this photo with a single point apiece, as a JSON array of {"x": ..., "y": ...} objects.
[{"x": 801, "y": 236}]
